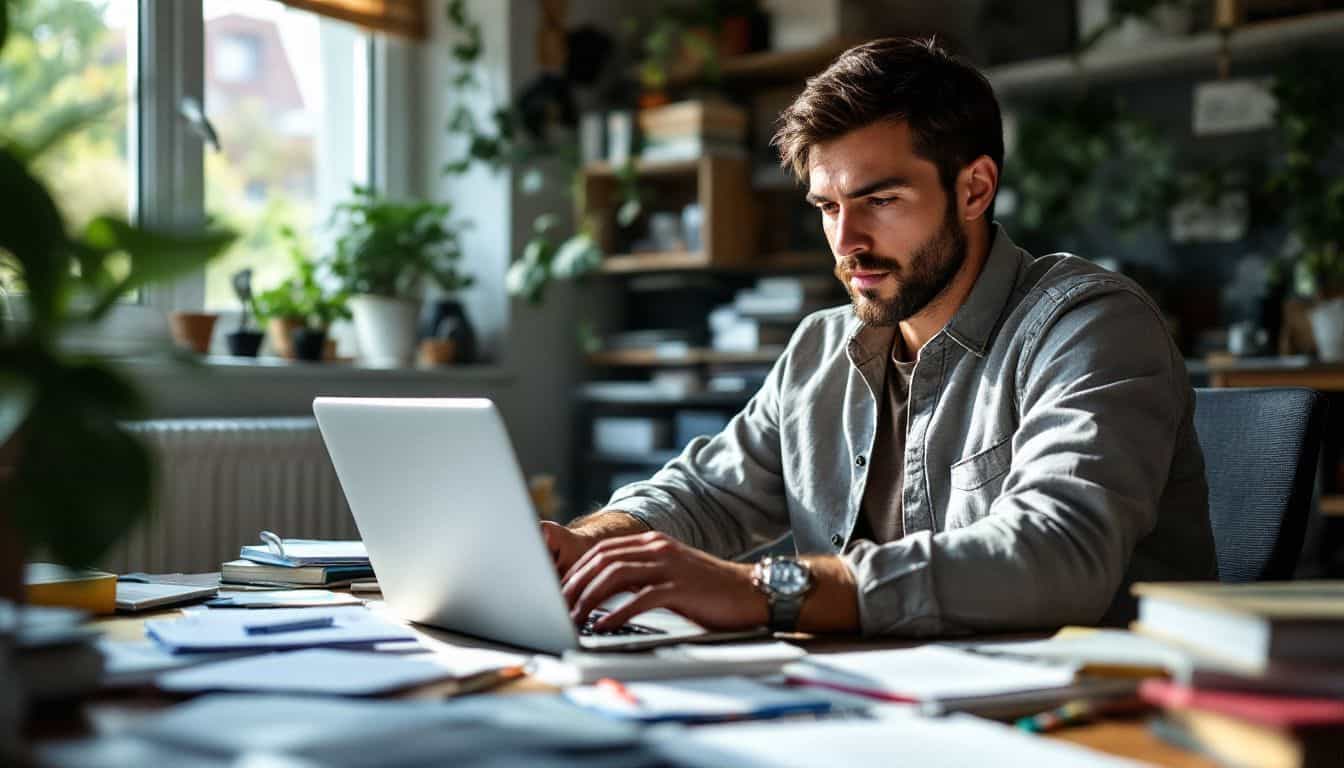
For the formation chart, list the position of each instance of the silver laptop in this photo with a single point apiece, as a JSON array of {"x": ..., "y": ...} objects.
[{"x": 441, "y": 505}]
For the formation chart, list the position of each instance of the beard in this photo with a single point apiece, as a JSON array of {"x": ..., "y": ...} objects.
[{"x": 933, "y": 265}]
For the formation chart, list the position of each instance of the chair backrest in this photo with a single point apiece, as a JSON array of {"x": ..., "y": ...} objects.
[{"x": 1260, "y": 452}]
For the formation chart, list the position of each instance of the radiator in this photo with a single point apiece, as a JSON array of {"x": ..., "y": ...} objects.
[{"x": 223, "y": 480}]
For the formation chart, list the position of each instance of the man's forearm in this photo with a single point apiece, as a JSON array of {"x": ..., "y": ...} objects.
[{"x": 607, "y": 523}]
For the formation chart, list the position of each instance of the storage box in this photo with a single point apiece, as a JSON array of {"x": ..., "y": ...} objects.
[{"x": 629, "y": 434}]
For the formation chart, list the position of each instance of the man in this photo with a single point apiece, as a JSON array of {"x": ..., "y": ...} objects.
[{"x": 984, "y": 441}]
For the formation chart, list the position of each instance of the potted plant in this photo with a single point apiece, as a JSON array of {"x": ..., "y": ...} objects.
[
  {"x": 301, "y": 309},
  {"x": 385, "y": 253},
  {"x": 63, "y": 409},
  {"x": 1308, "y": 117},
  {"x": 246, "y": 341}
]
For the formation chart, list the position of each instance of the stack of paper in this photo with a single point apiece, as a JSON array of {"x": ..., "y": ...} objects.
[
  {"x": 677, "y": 661},
  {"x": 927, "y": 673},
  {"x": 322, "y": 671},
  {"x": 213, "y": 631}
]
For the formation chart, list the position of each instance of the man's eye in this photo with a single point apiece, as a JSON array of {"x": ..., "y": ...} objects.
[
  {"x": 879, "y": 202},
  {"x": 828, "y": 208}
]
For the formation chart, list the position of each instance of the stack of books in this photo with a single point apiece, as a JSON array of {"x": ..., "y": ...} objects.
[
  {"x": 689, "y": 130},
  {"x": 298, "y": 563},
  {"x": 765, "y": 315},
  {"x": 1267, "y": 684}
]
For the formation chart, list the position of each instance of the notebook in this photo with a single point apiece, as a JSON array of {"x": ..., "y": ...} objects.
[
  {"x": 1289, "y": 712},
  {"x": 699, "y": 700},
  {"x": 300, "y": 552},
  {"x": 248, "y": 572},
  {"x": 669, "y": 662},
  {"x": 140, "y": 596}
]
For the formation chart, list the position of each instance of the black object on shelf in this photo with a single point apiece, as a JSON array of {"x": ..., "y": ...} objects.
[
  {"x": 243, "y": 343},
  {"x": 308, "y": 343},
  {"x": 447, "y": 319}
]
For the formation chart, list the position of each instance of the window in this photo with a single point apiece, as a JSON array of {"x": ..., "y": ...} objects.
[
  {"x": 64, "y": 83},
  {"x": 287, "y": 93}
]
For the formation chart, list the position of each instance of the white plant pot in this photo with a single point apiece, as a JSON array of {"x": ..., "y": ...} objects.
[
  {"x": 385, "y": 330},
  {"x": 1327, "y": 325}
]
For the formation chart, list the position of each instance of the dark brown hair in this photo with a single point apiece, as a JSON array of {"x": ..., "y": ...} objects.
[{"x": 950, "y": 107}]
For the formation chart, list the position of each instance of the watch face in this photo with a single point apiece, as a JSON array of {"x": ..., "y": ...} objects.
[{"x": 788, "y": 577}]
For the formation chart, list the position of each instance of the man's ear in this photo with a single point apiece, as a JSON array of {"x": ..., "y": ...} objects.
[{"x": 976, "y": 185}]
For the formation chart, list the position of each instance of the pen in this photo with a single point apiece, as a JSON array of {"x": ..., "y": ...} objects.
[
  {"x": 289, "y": 626},
  {"x": 487, "y": 680},
  {"x": 616, "y": 688}
]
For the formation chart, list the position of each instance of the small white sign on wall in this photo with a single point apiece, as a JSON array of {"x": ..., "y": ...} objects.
[{"x": 1233, "y": 106}]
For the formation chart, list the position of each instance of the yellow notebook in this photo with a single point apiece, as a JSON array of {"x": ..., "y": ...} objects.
[{"x": 50, "y": 584}]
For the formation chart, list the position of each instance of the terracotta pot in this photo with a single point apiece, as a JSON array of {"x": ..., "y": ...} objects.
[
  {"x": 435, "y": 352},
  {"x": 192, "y": 330},
  {"x": 281, "y": 330}
]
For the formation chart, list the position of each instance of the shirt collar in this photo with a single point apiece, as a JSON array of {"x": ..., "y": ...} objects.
[{"x": 975, "y": 321}]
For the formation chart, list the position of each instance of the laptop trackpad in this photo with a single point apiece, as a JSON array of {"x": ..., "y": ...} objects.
[{"x": 661, "y": 619}]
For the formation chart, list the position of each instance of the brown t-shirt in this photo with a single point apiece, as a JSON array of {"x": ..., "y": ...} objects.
[{"x": 883, "y": 502}]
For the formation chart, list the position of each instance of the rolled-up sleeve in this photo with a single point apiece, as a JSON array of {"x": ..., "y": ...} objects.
[
  {"x": 723, "y": 494},
  {"x": 1100, "y": 407}
]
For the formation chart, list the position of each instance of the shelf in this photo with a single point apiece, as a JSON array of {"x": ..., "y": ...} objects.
[
  {"x": 1163, "y": 57},
  {"x": 602, "y": 169},
  {"x": 769, "y": 66},
  {"x": 674, "y": 261},
  {"x": 652, "y": 357},
  {"x": 1332, "y": 505},
  {"x": 653, "y": 458}
]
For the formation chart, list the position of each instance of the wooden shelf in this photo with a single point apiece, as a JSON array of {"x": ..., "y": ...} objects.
[
  {"x": 768, "y": 66},
  {"x": 1163, "y": 57},
  {"x": 694, "y": 356},
  {"x": 693, "y": 399},
  {"x": 646, "y": 168},
  {"x": 1332, "y": 505}
]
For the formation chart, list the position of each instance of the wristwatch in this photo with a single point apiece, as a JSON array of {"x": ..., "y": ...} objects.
[{"x": 785, "y": 581}]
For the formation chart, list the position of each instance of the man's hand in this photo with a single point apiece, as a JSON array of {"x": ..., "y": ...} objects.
[
  {"x": 663, "y": 573},
  {"x": 566, "y": 546}
]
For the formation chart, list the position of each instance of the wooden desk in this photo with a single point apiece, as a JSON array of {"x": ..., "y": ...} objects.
[
  {"x": 112, "y": 711},
  {"x": 1276, "y": 372}
]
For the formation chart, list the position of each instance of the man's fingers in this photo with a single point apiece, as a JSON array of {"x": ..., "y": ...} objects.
[
  {"x": 613, "y": 580},
  {"x": 576, "y": 581},
  {"x": 618, "y": 542},
  {"x": 654, "y": 596}
]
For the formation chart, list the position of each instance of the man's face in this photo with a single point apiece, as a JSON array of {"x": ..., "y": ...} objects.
[{"x": 896, "y": 236}]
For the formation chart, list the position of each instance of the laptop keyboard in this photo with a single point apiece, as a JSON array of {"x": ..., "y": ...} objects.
[{"x": 623, "y": 631}]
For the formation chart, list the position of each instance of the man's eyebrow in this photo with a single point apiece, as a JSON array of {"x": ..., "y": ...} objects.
[{"x": 867, "y": 189}]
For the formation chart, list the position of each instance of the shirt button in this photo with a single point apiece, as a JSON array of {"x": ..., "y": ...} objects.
[
  {"x": 860, "y": 461},
  {"x": 837, "y": 539}
]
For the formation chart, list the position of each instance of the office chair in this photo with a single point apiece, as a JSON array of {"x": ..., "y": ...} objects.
[{"x": 1260, "y": 451}]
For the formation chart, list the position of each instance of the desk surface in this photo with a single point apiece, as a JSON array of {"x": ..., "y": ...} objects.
[{"x": 111, "y": 711}]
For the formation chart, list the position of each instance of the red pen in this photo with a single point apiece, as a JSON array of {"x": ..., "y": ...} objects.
[{"x": 616, "y": 688}]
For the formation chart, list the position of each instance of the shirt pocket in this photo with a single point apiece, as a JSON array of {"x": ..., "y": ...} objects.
[
  {"x": 980, "y": 469},
  {"x": 976, "y": 481}
]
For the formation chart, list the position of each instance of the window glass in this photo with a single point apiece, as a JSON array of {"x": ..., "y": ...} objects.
[{"x": 288, "y": 94}]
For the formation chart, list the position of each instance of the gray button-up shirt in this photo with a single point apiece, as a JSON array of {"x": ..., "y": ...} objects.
[{"x": 1050, "y": 457}]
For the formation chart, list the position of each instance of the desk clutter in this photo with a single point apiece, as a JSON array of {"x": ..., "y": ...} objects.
[{"x": 1247, "y": 674}]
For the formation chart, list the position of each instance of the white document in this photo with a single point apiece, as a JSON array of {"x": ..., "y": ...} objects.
[
  {"x": 1102, "y": 647},
  {"x": 315, "y": 671},
  {"x": 675, "y": 661},
  {"x": 700, "y": 699},
  {"x": 927, "y": 673},
  {"x": 228, "y": 630},
  {"x": 944, "y": 742},
  {"x": 284, "y": 598}
]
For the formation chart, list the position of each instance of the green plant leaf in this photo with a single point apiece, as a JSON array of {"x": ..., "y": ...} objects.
[
  {"x": 155, "y": 257},
  {"x": 32, "y": 230},
  {"x": 577, "y": 256},
  {"x": 4, "y": 23}
]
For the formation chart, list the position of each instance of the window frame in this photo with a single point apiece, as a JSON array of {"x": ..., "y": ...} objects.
[{"x": 169, "y": 182}]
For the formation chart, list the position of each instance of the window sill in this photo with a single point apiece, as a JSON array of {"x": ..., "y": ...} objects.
[{"x": 267, "y": 367}]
